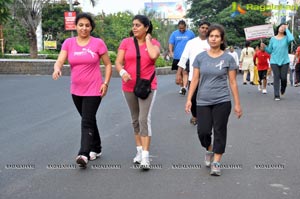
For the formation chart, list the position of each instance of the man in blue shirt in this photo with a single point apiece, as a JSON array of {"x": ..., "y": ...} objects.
[{"x": 177, "y": 42}]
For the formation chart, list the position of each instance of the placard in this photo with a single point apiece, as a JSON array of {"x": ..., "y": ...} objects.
[{"x": 259, "y": 32}]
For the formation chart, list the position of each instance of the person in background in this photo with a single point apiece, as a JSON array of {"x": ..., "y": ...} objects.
[
  {"x": 278, "y": 48},
  {"x": 177, "y": 42},
  {"x": 291, "y": 74},
  {"x": 214, "y": 72},
  {"x": 234, "y": 54},
  {"x": 255, "y": 70},
  {"x": 88, "y": 88},
  {"x": 126, "y": 63},
  {"x": 246, "y": 62},
  {"x": 297, "y": 67},
  {"x": 261, "y": 59},
  {"x": 191, "y": 50},
  {"x": 13, "y": 51}
]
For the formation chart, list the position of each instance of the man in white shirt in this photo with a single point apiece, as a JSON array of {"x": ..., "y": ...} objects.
[
  {"x": 191, "y": 50},
  {"x": 234, "y": 55}
]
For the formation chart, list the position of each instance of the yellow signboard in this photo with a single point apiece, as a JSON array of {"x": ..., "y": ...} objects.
[{"x": 50, "y": 45}]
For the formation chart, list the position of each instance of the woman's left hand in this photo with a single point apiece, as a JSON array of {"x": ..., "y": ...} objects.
[
  {"x": 103, "y": 90},
  {"x": 238, "y": 111}
]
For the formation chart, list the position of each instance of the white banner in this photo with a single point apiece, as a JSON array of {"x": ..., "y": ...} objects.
[{"x": 259, "y": 32}]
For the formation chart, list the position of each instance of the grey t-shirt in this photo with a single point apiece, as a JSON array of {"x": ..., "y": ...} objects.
[{"x": 213, "y": 85}]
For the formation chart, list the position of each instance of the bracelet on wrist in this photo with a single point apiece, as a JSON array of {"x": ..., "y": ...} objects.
[
  {"x": 106, "y": 84},
  {"x": 122, "y": 72}
]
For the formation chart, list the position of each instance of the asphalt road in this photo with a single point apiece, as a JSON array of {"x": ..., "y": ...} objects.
[{"x": 40, "y": 135}]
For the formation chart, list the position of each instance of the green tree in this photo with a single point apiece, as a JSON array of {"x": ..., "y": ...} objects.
[
  {"x": 15, "y": 36},
  {"x": 4, "y": 16},
  {"x": 53, "y": 22},
  {"x": 219, "y": 11},
  {"x": 29, "y": 13},
  {"x": 112, "y": 28}
]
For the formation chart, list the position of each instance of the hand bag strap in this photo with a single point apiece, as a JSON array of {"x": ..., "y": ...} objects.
[
  {"x": 138, "y": 56},
  {"x": 138, "y": 62}
]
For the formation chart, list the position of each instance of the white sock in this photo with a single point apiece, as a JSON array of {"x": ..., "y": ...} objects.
[
  {"x": 145, "y": 154},
  {"x": 139, "y": 149}
]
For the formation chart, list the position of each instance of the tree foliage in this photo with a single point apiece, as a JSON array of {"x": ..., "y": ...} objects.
[
  {"x": 219, "y": 11},
  {"x": 29, "y": 13},
  {"x": 4, "y": 10},
  {"x": 53, "y": 22}
]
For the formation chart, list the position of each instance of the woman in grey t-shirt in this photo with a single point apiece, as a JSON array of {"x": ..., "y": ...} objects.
[{"x": 214, "y": 72}]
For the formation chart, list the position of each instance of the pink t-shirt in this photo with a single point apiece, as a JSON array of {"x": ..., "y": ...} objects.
[
  {"x": 147, "y": 64},
  {"x": 86, "y": 77}
]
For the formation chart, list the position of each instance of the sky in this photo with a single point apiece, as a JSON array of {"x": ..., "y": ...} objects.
[{"x": 113, "y": 6}]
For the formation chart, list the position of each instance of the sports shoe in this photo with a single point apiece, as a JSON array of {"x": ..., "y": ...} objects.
[
  {"x": 145, "y": 163},
  {"x": 277, "y": 98},
  {"x": 259, "y": 88},
  {"x": 82, "y": 161},
  {"x": 193, "y": 121},
  {"x": 264, "y": 91},
  {"x": 182, "y": 91},
  {"x": 94, "y": 155},
  {"x": 138, "y": 158},
  {"x": 215, "y": 169},
  {"x": 208, "y": 158},
  {"x": 282, "y": 90}
]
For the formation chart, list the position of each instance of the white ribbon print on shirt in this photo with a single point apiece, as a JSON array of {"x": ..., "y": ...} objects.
[
  {"x": 85, "y": 51},
  {"x": 220, "y": 64}
]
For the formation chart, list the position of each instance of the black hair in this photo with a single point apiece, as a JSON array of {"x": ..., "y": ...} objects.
[
  {"x": 145, "y": 21},
  {"x": 200, "y": 23},
  {"x": 85, "y": 15},
  {"x": 181, "y": 22},
  {"x": 221, "y": 29},
  {"x": 277, "y": 29},
  {"x": 247, "y": 43}
]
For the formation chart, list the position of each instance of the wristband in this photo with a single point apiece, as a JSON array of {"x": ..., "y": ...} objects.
[
  {"x": 106, "y": 84},
  {"x": 122, "y": 72}
]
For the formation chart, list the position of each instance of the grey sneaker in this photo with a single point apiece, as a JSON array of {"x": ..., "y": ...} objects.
[
  {"x": 208, "y": 158},
  {"x": 215, "y": 169},
  {"x": 145, "y": 163},
  {"x": 94, "y": 155}
]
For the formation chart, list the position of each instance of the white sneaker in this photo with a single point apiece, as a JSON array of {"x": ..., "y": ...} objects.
[
  {"x": 145, "y": 163},
  {"x": 138, "y": 158},
  {"x": 94, "y": 155},
  {"x": 264, "y": 91},
  {"x": 259, "y": 88},
  {"x": 82, "y": 161}
]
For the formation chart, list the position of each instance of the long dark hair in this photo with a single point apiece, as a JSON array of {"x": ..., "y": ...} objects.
[
  {"x": 277, "y": 29},
  {"x": 145, "y": 21},
  {"x": 221, "y": 29}
]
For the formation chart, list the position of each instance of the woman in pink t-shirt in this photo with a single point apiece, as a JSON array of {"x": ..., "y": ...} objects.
[
  {"x": 84, "y": 53},
  {"x": 140, "y": 109}
]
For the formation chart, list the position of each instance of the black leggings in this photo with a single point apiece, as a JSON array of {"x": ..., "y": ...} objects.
[
  {"x": 213, "y": 117},
  {"x": 87, "y": 107},
  {"x": 194, "y": 102}
]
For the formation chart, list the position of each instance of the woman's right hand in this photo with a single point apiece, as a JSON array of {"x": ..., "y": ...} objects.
[
  {"x": 56, "y": 74},
  {"x": 126, "y": 77}
]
